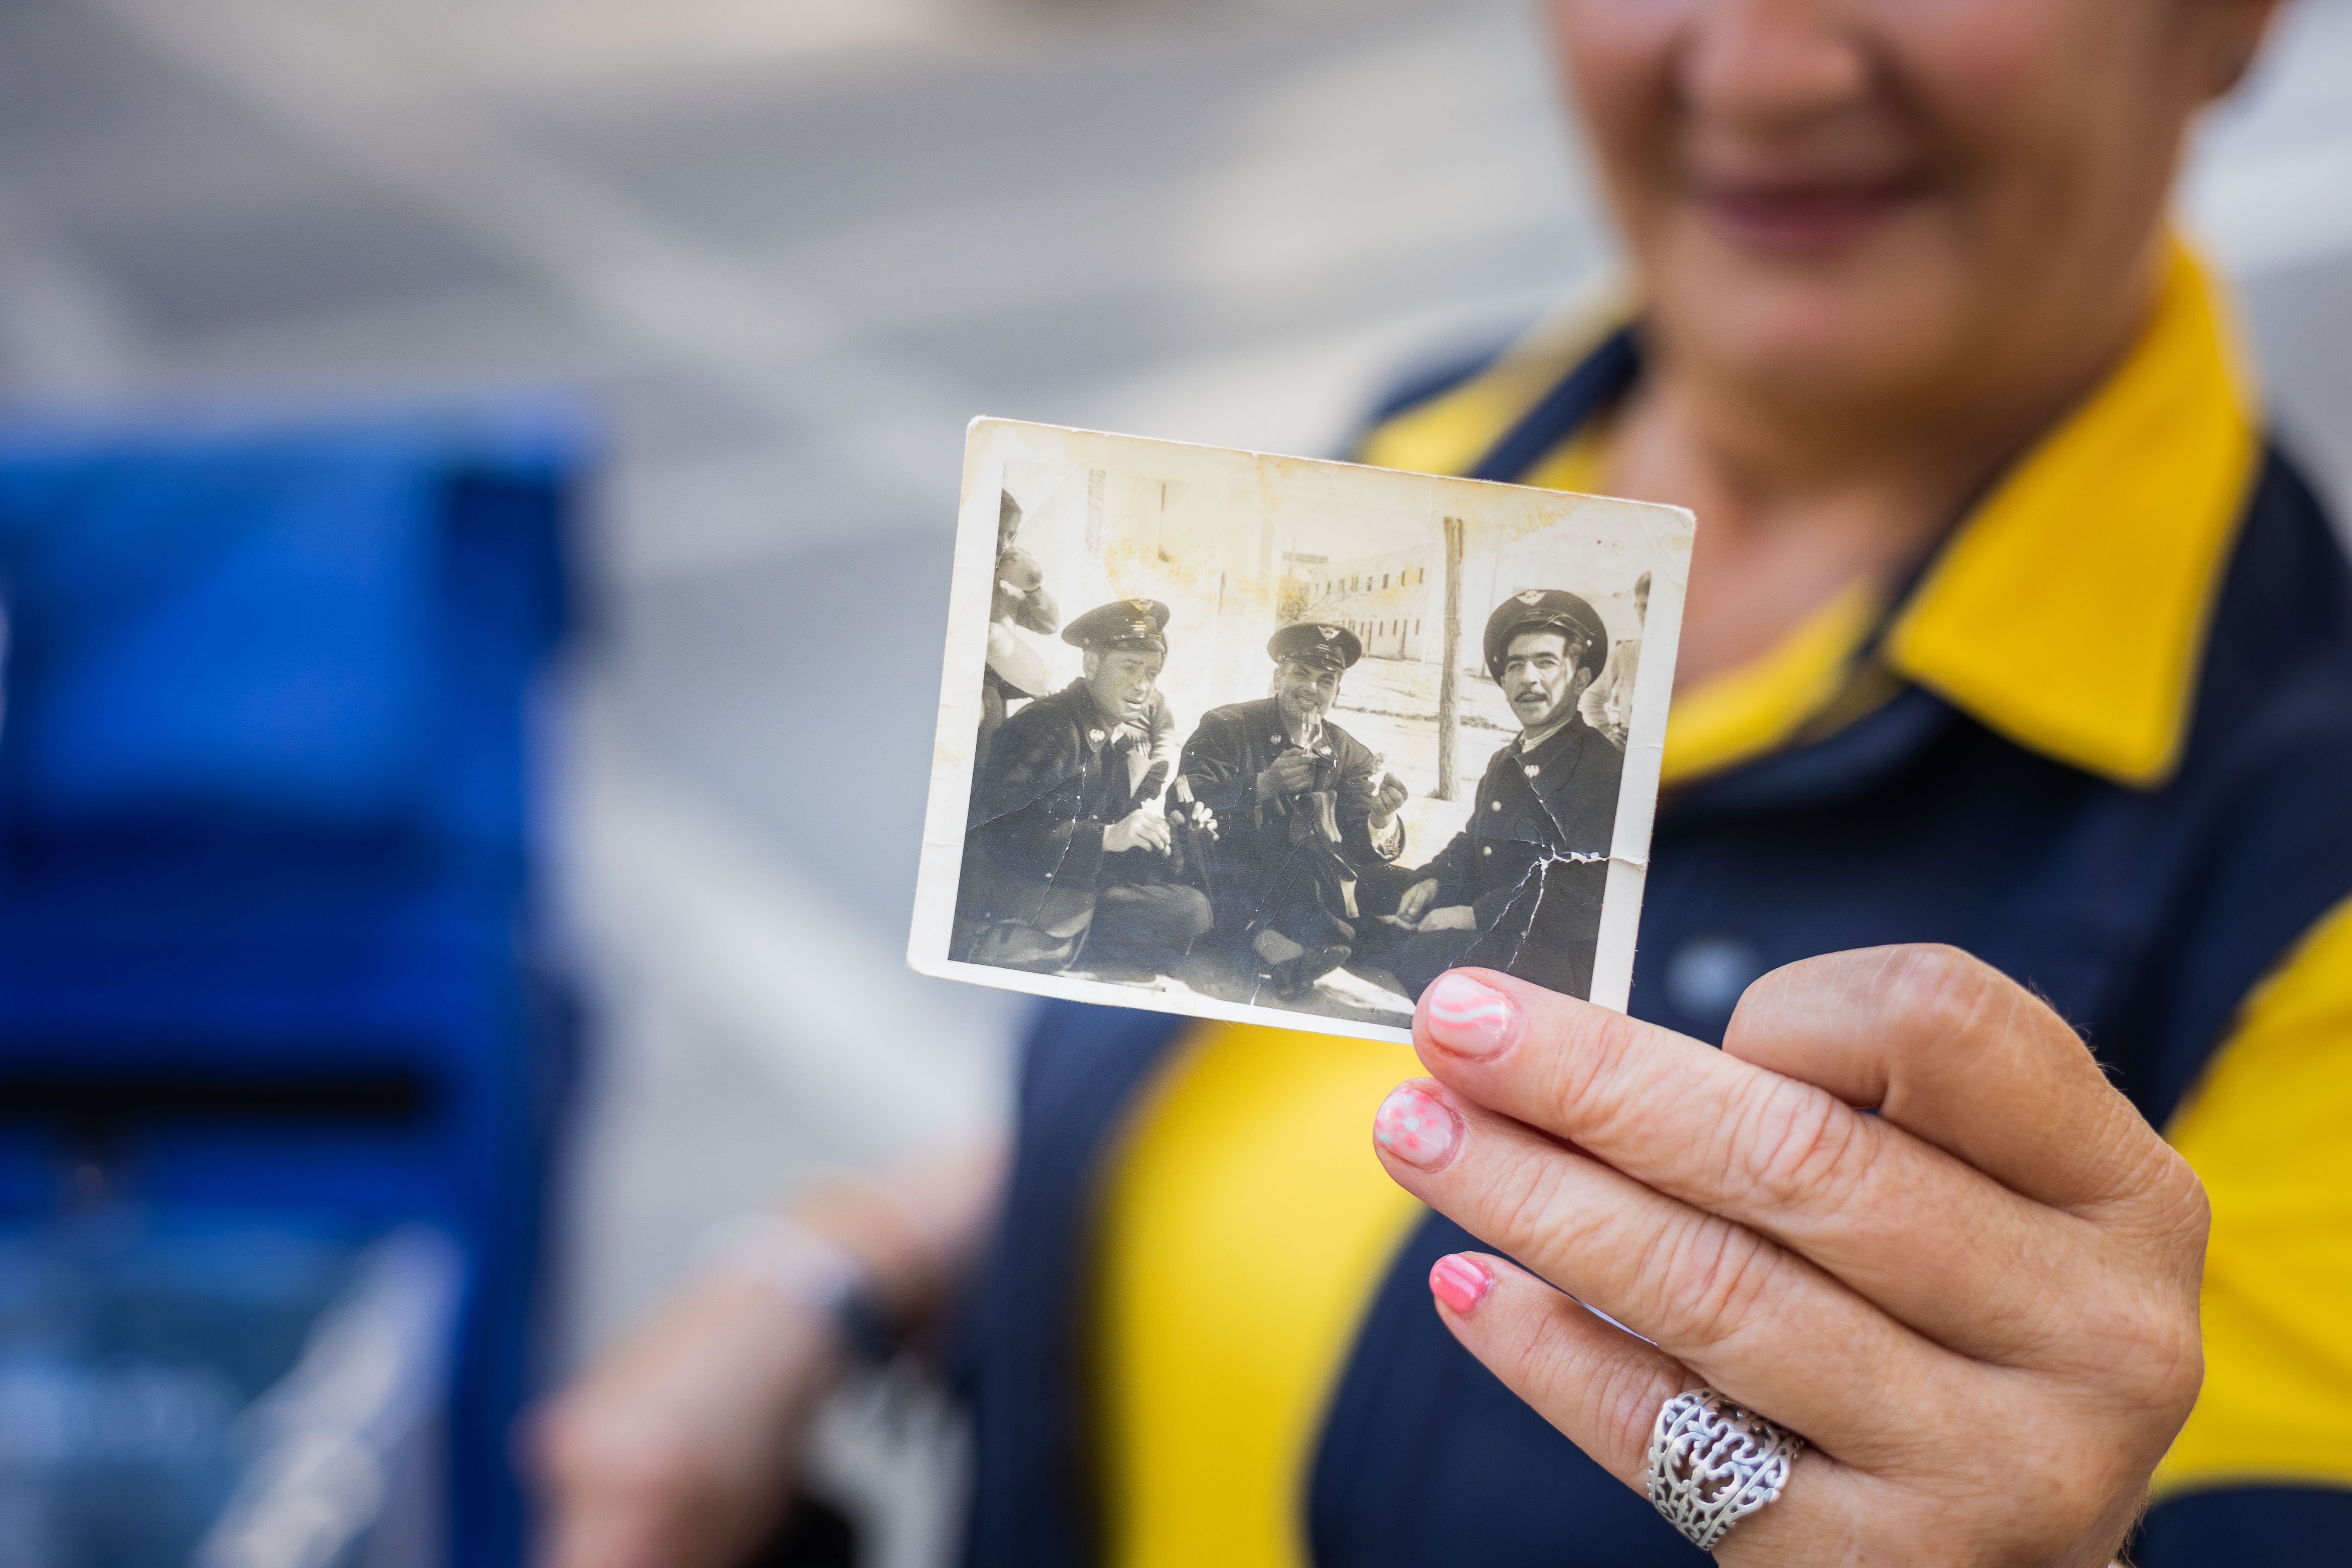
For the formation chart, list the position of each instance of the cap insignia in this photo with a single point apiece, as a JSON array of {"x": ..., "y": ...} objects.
[
  {"x": 1531, "y": 597},
  {"x": 1330, "y": 633}
]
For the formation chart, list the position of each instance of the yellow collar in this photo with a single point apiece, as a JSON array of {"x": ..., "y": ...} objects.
[{"x": 2068, "y": 611}]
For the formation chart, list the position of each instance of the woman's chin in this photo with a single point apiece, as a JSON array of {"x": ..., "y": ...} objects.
[
  {"x": 1851, "y": 306},
  {"x": 1863, "y": 343}
]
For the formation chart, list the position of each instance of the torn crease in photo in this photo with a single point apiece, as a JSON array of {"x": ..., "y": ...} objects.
[{"x": 1280, "y": 741}]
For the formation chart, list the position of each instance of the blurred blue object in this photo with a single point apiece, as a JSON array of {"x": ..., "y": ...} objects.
[
  {"x": 225, "y": 1394},
  {"x": 270, "y": 942}
]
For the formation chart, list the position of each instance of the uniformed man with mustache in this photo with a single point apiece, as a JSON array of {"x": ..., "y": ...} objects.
[{"x": 1519, "y": 887}]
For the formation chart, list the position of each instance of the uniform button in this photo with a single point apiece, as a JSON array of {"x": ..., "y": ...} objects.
[
  {"x": 1485, "y": 849},
  {"x": 1494, "y": 806},
  {"x": 1706, "y": 975}
]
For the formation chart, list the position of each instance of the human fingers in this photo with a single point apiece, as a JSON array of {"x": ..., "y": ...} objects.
[
  {"x": 661, "y": 1459},
  {"x": 1753, "y": 1318},
  {"x": 2060, "y": 1502},
  {"x": 1603, "y": 1387},
  {"x": 678, "y": 1449},
  {"x": 615, "y": 1529},
  {"x": 1927, "y": 1437},
  {"x": 1957, "y": 1052},
  {"x": 1991, "y": 1278},
  {"x": 1599, "y": 1384}
]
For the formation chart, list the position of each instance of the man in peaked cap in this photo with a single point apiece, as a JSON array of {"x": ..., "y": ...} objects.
[
  {"x": 1519, "y": 887},
  {"x": 1062, "y": 853},
  {"x": 1302, "y": 807}
]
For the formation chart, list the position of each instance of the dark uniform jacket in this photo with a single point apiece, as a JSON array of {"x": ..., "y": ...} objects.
[
  {"x": 2145, "y": 915},
  {"x": 1533, "y": 859},
  {"x": 1222, "y": 760},
  {"x": 1055, "y": 777}
]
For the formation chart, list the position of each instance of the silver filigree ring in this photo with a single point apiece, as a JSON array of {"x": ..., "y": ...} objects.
[{"x": 1713, "y": 1463}]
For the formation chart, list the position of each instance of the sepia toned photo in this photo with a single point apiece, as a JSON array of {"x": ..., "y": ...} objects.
[{"x": 1258, "y": 737}]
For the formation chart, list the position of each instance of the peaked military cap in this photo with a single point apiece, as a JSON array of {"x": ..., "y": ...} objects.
[
  {"x": 1546, "y": 610},
  {"x": 1122, "y": 624},
  {"x": 1319, "y": 642}
]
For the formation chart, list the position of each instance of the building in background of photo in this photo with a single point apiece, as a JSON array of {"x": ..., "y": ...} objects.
[{"x": 1385, "y": 598}]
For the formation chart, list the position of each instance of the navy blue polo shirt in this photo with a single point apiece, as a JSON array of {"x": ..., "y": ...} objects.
[{"x": 2103, "y": 741}]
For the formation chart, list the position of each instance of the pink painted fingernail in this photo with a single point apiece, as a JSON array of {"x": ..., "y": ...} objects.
[
  {"x": 1461, "y": 1282},
  {"x": 1415, "y": 1128},
  {"x": 1468, "y": 1019}
]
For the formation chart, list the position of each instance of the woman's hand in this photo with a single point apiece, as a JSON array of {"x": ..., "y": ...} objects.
[
  {"x": 682, "y": 1449},
  {"x": 1979, "y": 1306}
]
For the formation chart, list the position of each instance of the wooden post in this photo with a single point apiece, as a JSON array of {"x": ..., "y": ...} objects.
[{"x": 1449, "y": 673}]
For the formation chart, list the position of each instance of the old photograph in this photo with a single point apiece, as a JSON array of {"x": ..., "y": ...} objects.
[{"x": 1282, "y": 740}]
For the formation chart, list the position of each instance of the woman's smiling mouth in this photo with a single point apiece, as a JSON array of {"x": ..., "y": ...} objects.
[{"x": 1803, "y": 217}]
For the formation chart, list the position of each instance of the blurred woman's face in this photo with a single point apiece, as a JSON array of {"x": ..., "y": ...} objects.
[{"x": 1901, "y": 202}]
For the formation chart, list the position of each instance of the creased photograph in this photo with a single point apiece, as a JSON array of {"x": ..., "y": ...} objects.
[{"x": 1222, "y": 732}]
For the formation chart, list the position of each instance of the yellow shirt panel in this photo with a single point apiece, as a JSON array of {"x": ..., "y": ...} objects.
[
  {"x": 1452, "y": 430},
  {"x": 1748, "y": 710},
  {"x": 2270, "y": 1132},
  {"x": 1248, "y": 1224}
]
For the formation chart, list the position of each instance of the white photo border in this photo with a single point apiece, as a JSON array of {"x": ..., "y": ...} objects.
[{"x": 990, "y": 444}]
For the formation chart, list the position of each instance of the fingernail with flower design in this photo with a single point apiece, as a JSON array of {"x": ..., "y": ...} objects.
[
  {"x": 1469, "y": 1018},
  {"x": 1460, "y": 1281},
  {"x": 1415, "y": 1128}
]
